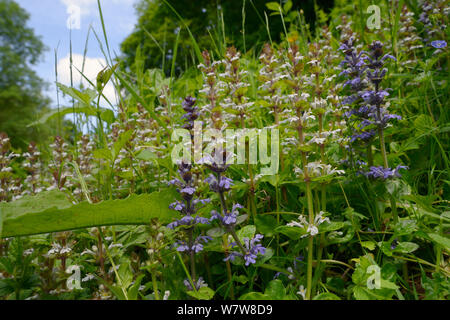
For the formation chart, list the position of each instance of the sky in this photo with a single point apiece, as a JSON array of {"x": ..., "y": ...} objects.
[{"x": 56, "y": 20}]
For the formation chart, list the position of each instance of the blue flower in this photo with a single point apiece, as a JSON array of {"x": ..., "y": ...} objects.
[
  {"x": 229, "y": 218},
  {"x": 253, "y": 248},
  {"x": 219, "y": 186},
  {"x": 439, "y": 44},
  {"x": 383, "y": 173}
]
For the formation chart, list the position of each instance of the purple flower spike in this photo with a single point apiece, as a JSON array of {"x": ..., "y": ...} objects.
[{"x": 253, "y": 248}]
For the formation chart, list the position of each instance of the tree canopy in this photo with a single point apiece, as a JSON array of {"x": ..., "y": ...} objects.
[
  {"x": 214, "y": 23},
  {"x": 21, "y": 90}
]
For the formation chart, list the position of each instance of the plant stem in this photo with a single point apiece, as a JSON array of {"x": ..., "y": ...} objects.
[
  {"x": 383, "y": 147},
  {"x": 155, "y": 287},
  {"x": 228, "y": 265},
  {"x": 190, "y": 232},
  {"x": 310, "y": 243}
]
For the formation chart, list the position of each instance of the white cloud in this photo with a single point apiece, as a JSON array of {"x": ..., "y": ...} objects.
[
  {"x": 86, "y": 6},
  {"x": 92, "y": 66},
  {"x": 90, "y": 6}
]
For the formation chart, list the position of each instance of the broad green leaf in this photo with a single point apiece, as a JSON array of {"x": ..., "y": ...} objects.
[
  {"x": 246, "y": 232},
  {"x": 274, "y": 6},
  {"x": 326, "y": 296},
  {"x": 52, "y": 212},
  {"x": 294, "y": 233},
  {"x": 204, "y": 293},
  {"x": 78, "y": 108},
  {"x": 107, "y": 115},
  {"x": 254, "y": 296},
  {"x": 443, "y": 241},
  {"x": 85, "y": 97},
  {"x": 215, "y": 232},
  {"x": 404, "y": 227},
  {"x": 287, "y": 6},
  {"x": 266, "y": 224},
  {"x": 133, "y": 291},
  {"x": 146, "y": 155},
  {"x": 368, "y": 244},
  {"x": 331, "y": 226},
  {"x": 121, "y": 142},
  {"x": 275, "y": 290}
]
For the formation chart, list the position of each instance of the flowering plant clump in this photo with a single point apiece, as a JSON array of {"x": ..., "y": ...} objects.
[{"x": 282, "y": 167}]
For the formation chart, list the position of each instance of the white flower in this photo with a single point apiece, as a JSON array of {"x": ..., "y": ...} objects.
[
  {"x": 302, "y": 292},
  {"x": 319, "y": 219},
  {"x": 166, "y": 295},
  {"x": 312, "y": 230},
  {"x": 88, "y": 277},
  {"x": 301, "y": 223}
]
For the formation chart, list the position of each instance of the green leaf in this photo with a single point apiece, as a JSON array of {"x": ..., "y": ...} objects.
[
  {"x": 204, "y": 293},
  {"x": 368, "y": 244},
  {"x": 107, "y": 115},
  {"x": 254, "y": 296},
  {"x": 146, "y": 155},
  {"x": 266, "y": 224},
  {"x": 388, "y": 284},
  {"x": 121, "y": 142},
  {"x": 78, "y": 108},
  {"x": 215, "y": 232},
  {"x": 274, "y": 6},
  {"x": 326, "y": 296},
  {"x": 133, "y": 291},
  {"x": 404, "y": 227},
  {"x": 294, "y": 233},
  {"x": 275, "y": 290},
  {"x": 138, "y": 97},
  {"x": 52, "y": 212},
  {"x": 102, "y": 154},
  {"x": 331, "y": 226},
  {"x": 443, "y": 241},
  {"x": 104, "y": 76},
  {"x": 287, "y": 6},
  {"x": 85, "y": 97},
  {"x": 125, "y": 273},
  {"x": 246, "y": 232}
]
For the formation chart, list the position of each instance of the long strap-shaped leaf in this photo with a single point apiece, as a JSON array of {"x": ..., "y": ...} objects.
[{"x": 52, "y": 212}]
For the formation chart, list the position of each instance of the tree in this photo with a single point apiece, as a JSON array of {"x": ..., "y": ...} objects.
[
  {"x": 21, "y": 97},
  {"x": 156, "y": 31}
]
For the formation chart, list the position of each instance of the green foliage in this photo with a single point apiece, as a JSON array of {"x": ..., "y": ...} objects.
[
  {"x": 52, "y": 212},
  {"x": 213, "y": 24},
  {"x": 21, "y": 90}
]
